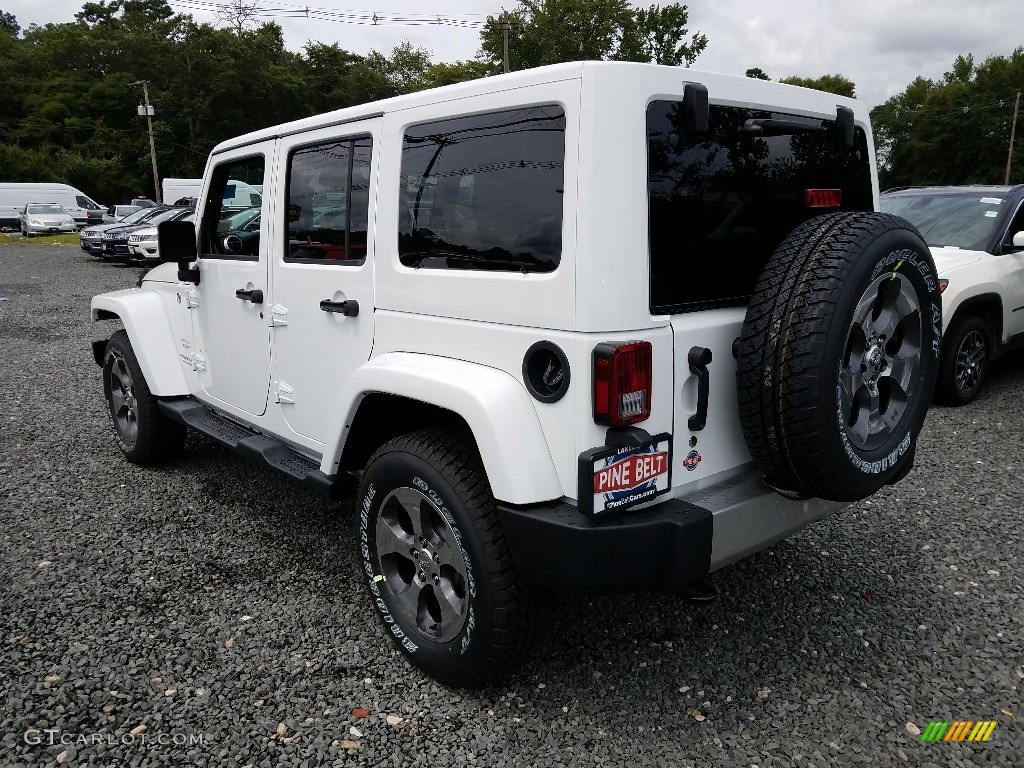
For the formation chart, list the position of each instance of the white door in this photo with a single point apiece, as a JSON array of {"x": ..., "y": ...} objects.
[
  {"x": 1014, "y": 258},
  {"x": 232, "y": 336},
  {"x": 323, "y": 276}
]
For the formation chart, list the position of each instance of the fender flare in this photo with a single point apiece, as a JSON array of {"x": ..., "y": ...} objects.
[
  {"x": 963, "y": 302},
  {"x": 145, "y": 319},
  {"x": 494, "y": 404}
]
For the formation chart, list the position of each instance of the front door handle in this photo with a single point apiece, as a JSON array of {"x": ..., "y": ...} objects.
[
  {"x": 348, "y": 308},
  {"x": 255, "y": 295}
]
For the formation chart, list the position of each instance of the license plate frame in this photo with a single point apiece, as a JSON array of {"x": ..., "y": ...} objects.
[{"x": 607, "y": 476}]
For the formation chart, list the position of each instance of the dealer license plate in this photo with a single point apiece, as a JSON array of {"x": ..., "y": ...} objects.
[{"x": 611, "y": 479}]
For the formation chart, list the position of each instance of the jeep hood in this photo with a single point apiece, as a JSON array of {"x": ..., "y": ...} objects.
[
  {"x": 166, "y": 272},
  {"x": 948, "y": 258}
]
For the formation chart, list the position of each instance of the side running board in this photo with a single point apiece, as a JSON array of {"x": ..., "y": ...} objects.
[{"x": 258, "y": 448}]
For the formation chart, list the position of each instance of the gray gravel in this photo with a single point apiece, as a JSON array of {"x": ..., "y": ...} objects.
[{"x": 213, "y": 601}]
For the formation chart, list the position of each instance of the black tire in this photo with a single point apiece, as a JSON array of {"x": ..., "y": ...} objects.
[
  {"x": 966, "y": 352},
  {"x": 144, "y": 435},
  {"x": 838, "y": 356},
  {"x": 491, "y": 610}
]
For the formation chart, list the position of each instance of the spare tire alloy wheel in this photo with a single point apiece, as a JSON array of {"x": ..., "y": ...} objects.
[
  {"x": 838, "y": 356},
  {"x": 882, "y": 360},
  {"x": 435, "y": 560}
]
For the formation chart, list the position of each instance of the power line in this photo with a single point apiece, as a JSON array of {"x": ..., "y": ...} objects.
[
  {"x": 365, "y": 18},
  {"x": 930, "y": 112}
]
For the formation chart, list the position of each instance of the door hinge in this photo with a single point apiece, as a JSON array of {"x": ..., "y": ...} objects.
[
  {"x": 278, "y": 315},
  {"x": 283, "y": 393},
  {"x": 198, "y": 362},
  {"x": 193, "y": 299}
]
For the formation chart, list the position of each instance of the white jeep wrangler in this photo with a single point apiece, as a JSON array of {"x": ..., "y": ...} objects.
[{"x": 593, "y": 327}]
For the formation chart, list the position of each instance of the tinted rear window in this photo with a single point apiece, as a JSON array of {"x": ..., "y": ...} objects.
[{"x": 720, "y": 202}]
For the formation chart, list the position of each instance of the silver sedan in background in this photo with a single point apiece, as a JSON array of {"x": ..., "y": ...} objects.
[{"x": 45, "y": 219}]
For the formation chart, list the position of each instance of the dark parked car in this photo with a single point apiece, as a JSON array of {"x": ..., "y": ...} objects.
[
  {"x": 115, "y": 241},
  {"x": 91, "y": 239}
]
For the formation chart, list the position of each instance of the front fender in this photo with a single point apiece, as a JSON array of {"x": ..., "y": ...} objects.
[
  {"x": 495, "y": 405},
  {"x": 966, "y": 293},
  {"x": 145, "y": 319}
]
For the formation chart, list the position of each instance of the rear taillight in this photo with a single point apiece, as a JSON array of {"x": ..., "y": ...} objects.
[
  {"x": 622, "y": 383},
  {"x": 823, "y": 198}
]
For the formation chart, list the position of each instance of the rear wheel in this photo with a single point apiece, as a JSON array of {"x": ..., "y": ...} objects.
[
  {"x": 838, "y": 356},
  {"x": 966, "y": 352},
  {"x": 436, "y": 562},
  {"x": 143, "y": 433}
]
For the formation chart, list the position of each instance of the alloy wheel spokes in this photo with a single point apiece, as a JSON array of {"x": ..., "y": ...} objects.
[
  {"x": 881, "y": 360},
  {"x": 422, "y": 565}
]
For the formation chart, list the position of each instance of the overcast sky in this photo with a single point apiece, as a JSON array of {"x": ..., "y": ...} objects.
[{"x": 879, "y": 44}]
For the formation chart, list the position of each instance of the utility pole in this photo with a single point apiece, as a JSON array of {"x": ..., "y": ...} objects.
[
  {"x": 148, "y": 111},
  {"x": 504, "y": 28},
  {"x": 1013, "y": 132}
]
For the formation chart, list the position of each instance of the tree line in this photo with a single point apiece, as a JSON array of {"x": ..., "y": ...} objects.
[{"x": 72, "y": 88}]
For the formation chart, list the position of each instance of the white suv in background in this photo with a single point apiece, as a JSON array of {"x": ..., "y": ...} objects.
[
  {"x": 142, "y": 243},
  {"x": 594, "y": 327},
  {"x": 976, "y": 234}
]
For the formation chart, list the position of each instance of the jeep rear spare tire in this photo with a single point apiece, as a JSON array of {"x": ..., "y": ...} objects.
[{"x": 838, "y": 356}]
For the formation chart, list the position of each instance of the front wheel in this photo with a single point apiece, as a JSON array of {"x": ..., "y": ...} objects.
[
  {"x": 143, "y": 433},
  {"x": 436, "y": 563},
  {"x": 966, "y": 351}
]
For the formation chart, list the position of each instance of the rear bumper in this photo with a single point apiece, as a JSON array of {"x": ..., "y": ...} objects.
[{"x": 661, "y": 548}]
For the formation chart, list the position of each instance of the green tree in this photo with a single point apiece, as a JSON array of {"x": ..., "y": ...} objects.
[
  {"x": 443, "y": 73},
  {"x": 553, "y": 31},
  {"x": 8, "y": 23},
  {"x": 953, "y": 131},
  {"x": 757, "y": 73},
  {"x": 837, "y": 84}
]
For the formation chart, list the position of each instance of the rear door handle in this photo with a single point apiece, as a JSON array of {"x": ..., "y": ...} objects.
[
  {"x": 348, "y": 308},
  {"x": 255, "y": 295},
  {"x": 699, "y": 359}
]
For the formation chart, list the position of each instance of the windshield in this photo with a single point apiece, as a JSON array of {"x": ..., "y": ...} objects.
[
  {"x": 961, "y": 220},
  {"x": 86, "y": 202},
  {"x": 166, "y": 215},
  {"x": 50, "y": 210},
  {"x": 137, "y": 215},
  {"x": 238, "y": 221}
]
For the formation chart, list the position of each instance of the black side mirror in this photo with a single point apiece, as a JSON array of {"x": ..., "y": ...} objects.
[{"x": 177, "y": 242}]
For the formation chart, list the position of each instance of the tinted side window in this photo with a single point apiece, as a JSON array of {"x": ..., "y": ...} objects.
[
  {"x": 328, "y": 205},
  {"x": 231, "y": 229},
  {"x": 484, "y": 192},
  {"x": 721, "y": 202}
]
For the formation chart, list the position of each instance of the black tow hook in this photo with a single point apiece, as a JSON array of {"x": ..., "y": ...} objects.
[{"x": 700, "y": 593}]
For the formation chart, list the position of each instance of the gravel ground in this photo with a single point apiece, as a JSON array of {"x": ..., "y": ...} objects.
[{"x": 218, "y": 605}]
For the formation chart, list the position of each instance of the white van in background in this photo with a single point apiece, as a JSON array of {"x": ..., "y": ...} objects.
[
  {"x": 15, "y": 196},
  {"x": 175, "y": 189},
  {"x": 238, "y": 196}
]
